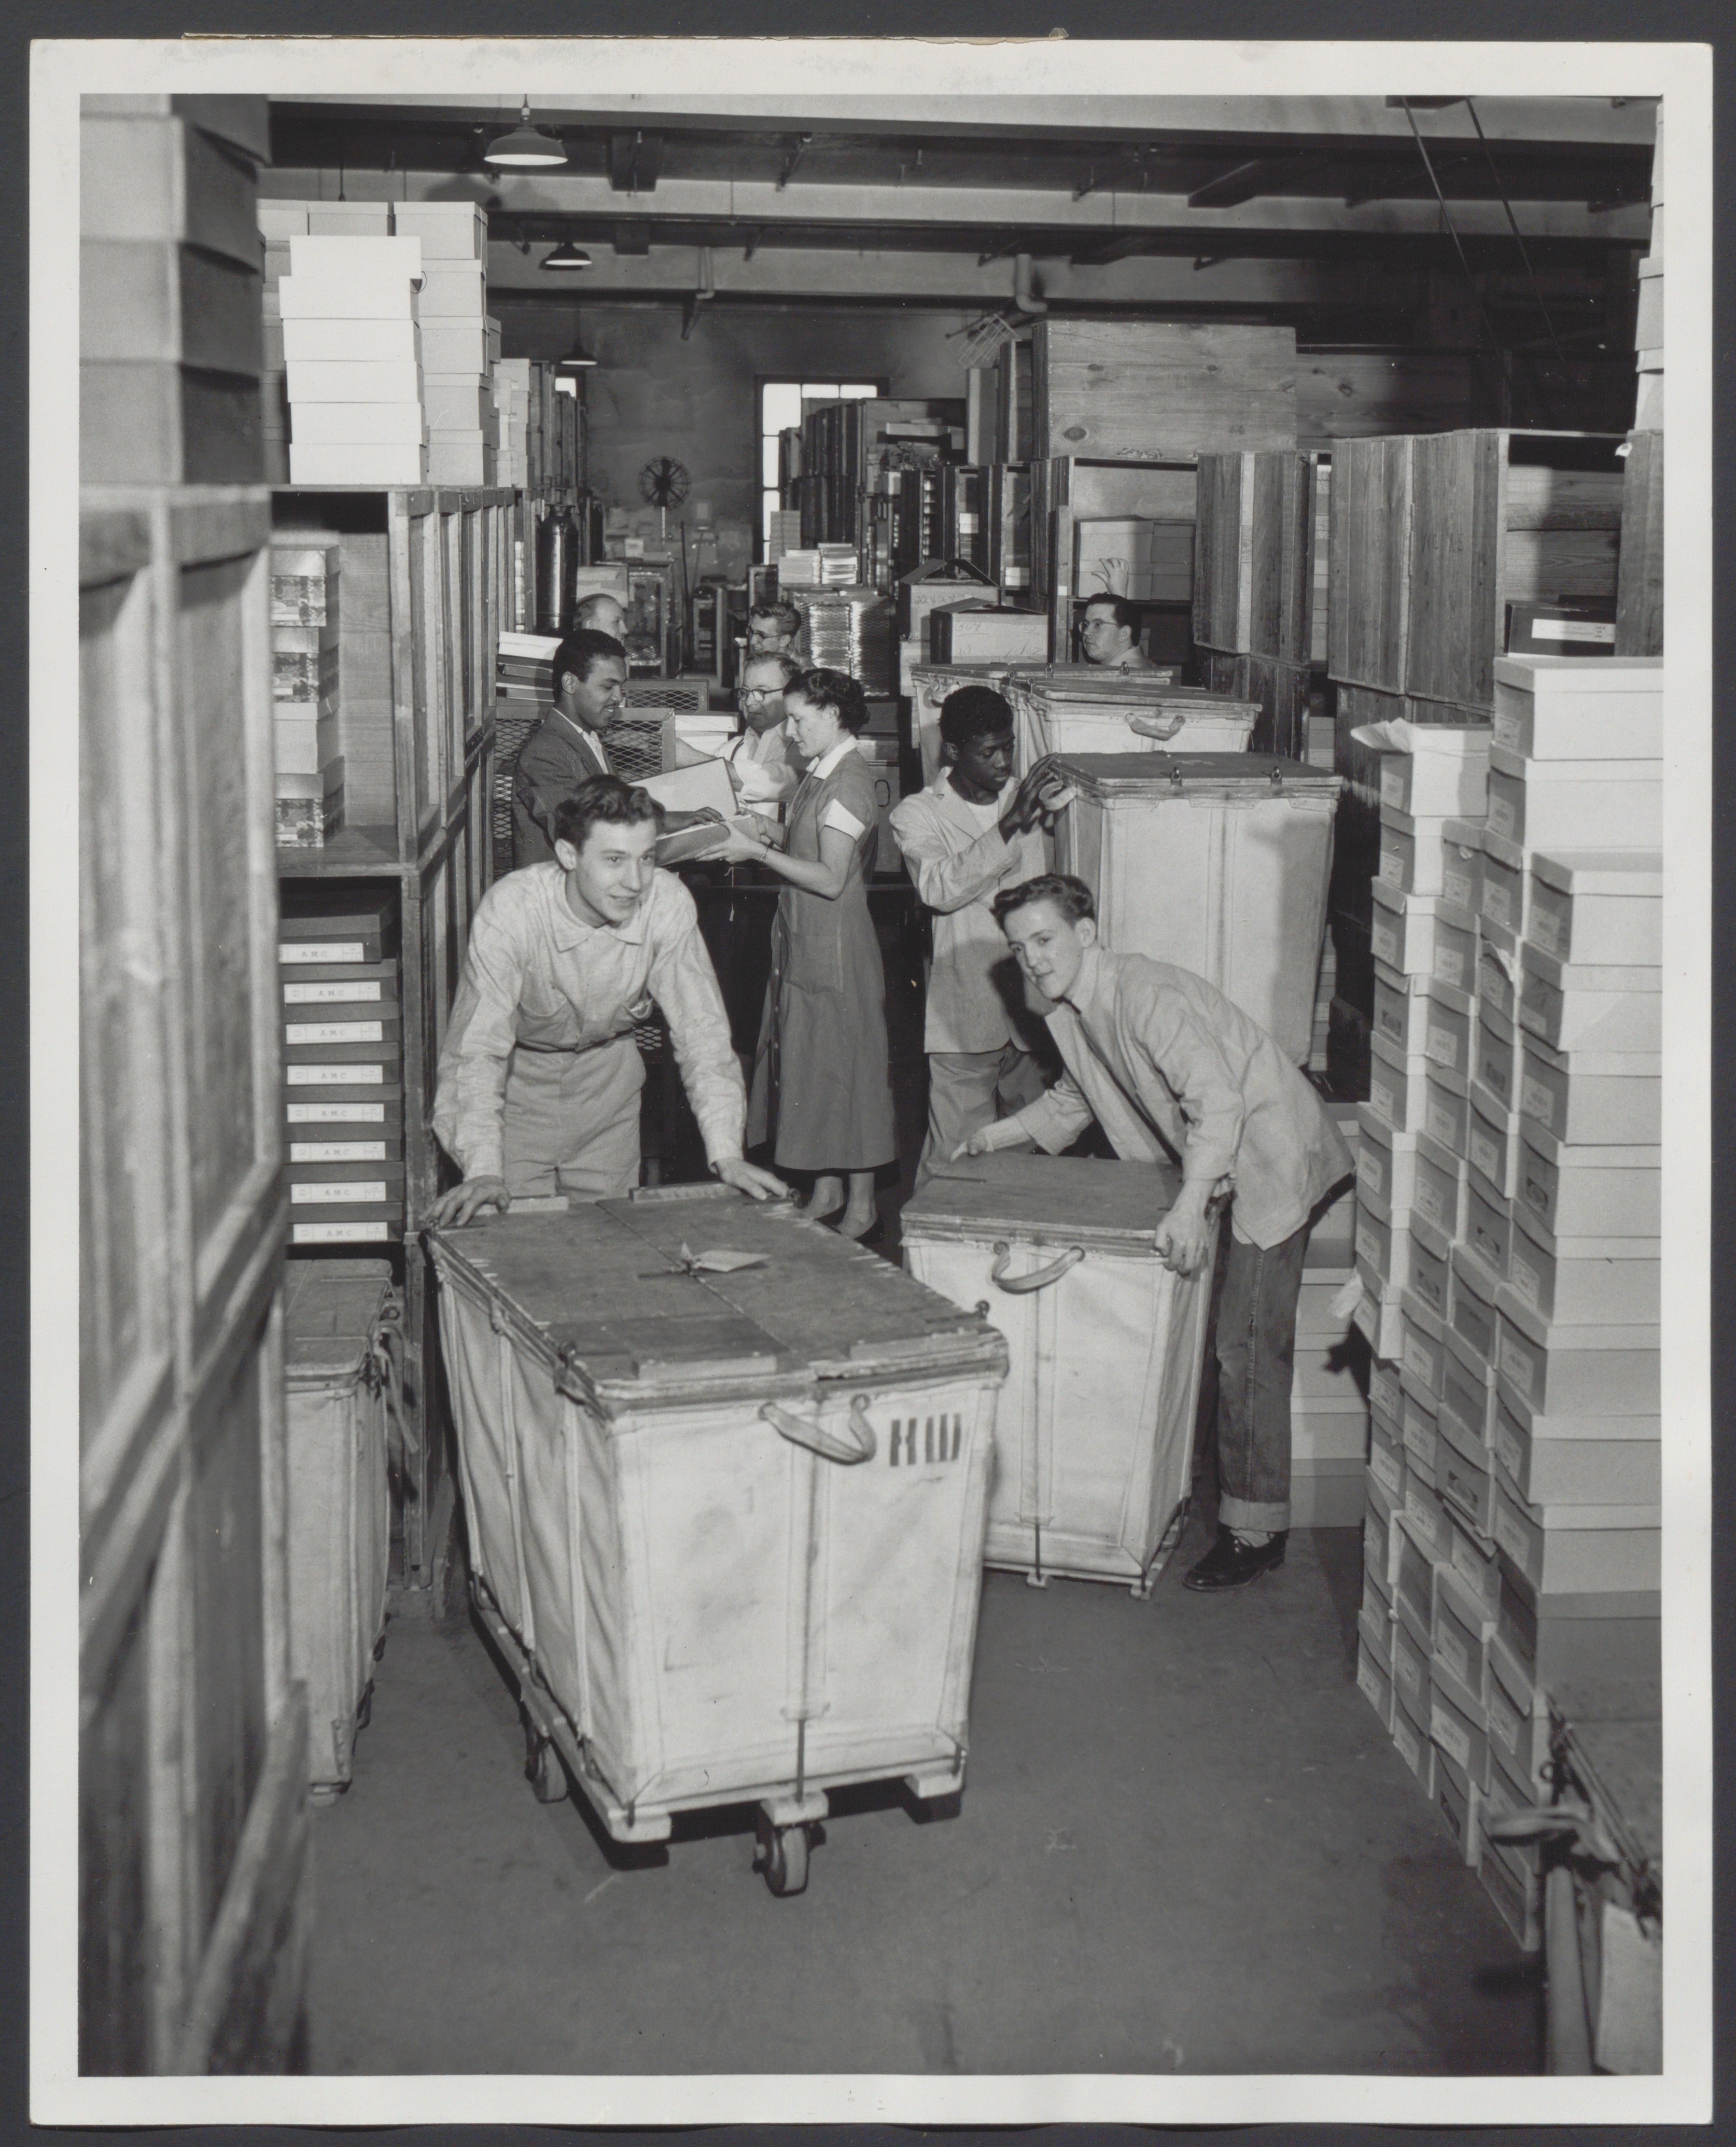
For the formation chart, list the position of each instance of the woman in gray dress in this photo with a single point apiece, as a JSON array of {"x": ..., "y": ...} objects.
[{"x": 822, "y": 1086}]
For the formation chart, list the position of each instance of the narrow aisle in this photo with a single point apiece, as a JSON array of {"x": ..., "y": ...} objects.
[{"x": 1186, "y": 1845}]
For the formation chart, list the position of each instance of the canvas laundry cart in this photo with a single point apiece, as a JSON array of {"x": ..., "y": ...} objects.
[
  {"x": 931, "y": 682},
  {"x": 1087, "y": 710},
  {"x": 1094, "y": 1434},
  {"x": 1218, "y": 863},
  {"x": 343, "y": 1360},
  {"x": 726, "y": 1520}
]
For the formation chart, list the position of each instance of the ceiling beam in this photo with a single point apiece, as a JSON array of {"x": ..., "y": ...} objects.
[{"x": 1241, "y": 184}]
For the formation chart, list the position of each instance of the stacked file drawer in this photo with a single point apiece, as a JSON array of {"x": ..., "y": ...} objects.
[
  {"x": 451, "y": 308},
  {"x": 1516, "y": 1209},
  {"x": 352, "y": 360},
  {"x": 343, "y": 1077},
  {"x": 308, "y": 778}
]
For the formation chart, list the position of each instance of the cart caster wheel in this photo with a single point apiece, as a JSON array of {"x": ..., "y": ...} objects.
[
  {"x": 546, "y": 1774},
  {"x": 783, "y": 1857}
]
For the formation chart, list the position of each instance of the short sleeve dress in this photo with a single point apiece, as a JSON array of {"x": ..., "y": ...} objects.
[{"x": 821, "y": 1083}]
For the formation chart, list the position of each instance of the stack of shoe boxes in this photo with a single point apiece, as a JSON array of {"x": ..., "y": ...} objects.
[
  {"x": 309, "y": 777},
  {"x": 343, "y": 1074},
  {"x": 451, "y": 310},
  {"x": 512, "y": 419},
  {"x": 1507, "y": 1244},
  {"x": 350, "y": 353},
  {"x": 1328, "y": 1413}
]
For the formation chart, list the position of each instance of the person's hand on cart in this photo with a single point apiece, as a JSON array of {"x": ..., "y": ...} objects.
[
  {"x": 749, "y": 1179},
  {"x": 466, "y": 1202},
  {"x": 1043, "y": 793},
  {"x": 1185, "y": 1232},
  {"x": 1005, "y": 1133}
]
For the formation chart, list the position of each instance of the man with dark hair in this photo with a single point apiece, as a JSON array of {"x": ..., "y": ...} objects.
[
  {"x": 774, "y": 628},
  {"x": 590, "y": 689},
  {"x": 1169, "y": 1068},
  {"x": 973, "y": 832},
  {"x": 539, "y": 1080},
  {"x": 1110, "y": 635}
]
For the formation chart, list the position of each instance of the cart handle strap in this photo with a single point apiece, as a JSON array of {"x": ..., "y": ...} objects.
[
  {"x": 815, "y": 1437},
  {"x": 1157, "y": 726},
  {"x": 1039, "y": 1279}
]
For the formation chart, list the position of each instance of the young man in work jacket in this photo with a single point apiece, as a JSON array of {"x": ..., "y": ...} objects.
[
  {"x": 540, "y": 1076},
  {"x": 1169, "y": 1067},
  {"x": 972, "y": 834}
]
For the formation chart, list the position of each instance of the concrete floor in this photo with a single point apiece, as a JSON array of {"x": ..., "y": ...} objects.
[{"x": 1185, "y": 1845}]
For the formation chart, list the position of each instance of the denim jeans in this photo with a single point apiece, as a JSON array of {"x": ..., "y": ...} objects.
[{"x": 1256, "y": 1352}]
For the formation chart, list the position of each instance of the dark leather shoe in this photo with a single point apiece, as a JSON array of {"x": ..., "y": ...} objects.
[{"x": 1229, "y": 1563}]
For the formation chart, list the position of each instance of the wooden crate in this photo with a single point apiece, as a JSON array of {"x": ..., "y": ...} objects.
[
  {"x": 1253, "y": 582},
  {"x": 193, "y": 1904},
  {"x": 1368, "y": 578},
  {"x": 437, "y": 610},
  {"x": 1361, "y": 395},
  {"x": 1148, "y": 391},
  {"x": 1283, "y": 691},
  {"x": 1639, "y": 583},
  {"x": 1499, "y": 517},
  {"x": 1068, "y": 490}
]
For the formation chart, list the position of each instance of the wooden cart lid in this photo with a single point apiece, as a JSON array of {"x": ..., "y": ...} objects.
[
  {"x": 1152, "y": 775},
  {"x": 607, "y": 1287},
  {"x": 1045, "y": 1199},
  {"x": 330, "y": 1310}
]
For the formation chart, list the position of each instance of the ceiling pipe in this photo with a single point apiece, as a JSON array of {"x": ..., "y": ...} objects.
[{"x": 1023, "y": 296}]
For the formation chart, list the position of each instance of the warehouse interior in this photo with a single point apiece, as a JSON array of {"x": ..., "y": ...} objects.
[{"x": 1357, "y": 402}]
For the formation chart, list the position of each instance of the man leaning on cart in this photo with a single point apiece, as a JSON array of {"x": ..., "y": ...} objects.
[
  {"x": 1167, "y": 1066},
  {"x": 540, "y": 1075}
]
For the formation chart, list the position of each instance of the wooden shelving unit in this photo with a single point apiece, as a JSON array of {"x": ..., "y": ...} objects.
[{"x": 432, "y": 574}]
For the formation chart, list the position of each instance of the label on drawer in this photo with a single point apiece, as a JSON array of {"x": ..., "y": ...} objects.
[
  {"x": 1510, "y": 1533},
  {"x": 1517, "y": 1361},
  {"x": 1524, "y": 1279},
  {"x": 329, "y": 1193},
  {"x": 1449, "y": 966},
  {"x": 335, "y": 1115},
  {"x": 334, "y": 1032},
  {"x": 340, "y": 1074},
  {"x": 1443, "y": 1046},
  {"x": 1485, "y": 1153},
  {"x": 1450, "y": 1734},
  {"x": 339, "y": 1234},
  {"x": 364, "y": 989},
  {"x": 337, "y": 1151},
  {"x": 1454, "y": 1654},
  {"x": 322, "y": 950},
  {"x": 1536, "y": 1100}
]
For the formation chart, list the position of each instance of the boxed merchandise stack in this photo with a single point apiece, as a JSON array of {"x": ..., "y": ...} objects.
[
  {"x": 851, "y": 629},
  {"x": 309, "y": 767},
  {"x": 818, "y": 567},
  {"x": 512, "y": 422},
  {"x": 785, "y": 534},
  {"x": 343, "y": 1099},
  {"x": 352, "y": 360},
  {"x": 1328, "y": 1409},
  {"x": 279, "y": 222},
  {"x": 1507, "y": 1239},
  {"x": 451, "y": 309}
]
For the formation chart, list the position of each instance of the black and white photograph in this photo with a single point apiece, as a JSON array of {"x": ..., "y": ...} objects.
[{"x": 889, "y": 946}]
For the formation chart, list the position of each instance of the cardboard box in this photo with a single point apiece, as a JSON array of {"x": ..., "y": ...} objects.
[
  {"x": 455, "y": 402},
  {"x": 1457, "y": 1722},
  {"x": 1579, "y": 1280},
  {"x": 1608, "y": 1641},
  {"x": 1584, "y": 1007},
  {"x": 1446, "y": 1108},
  {"x": 1576, "y": 1460},
  {"x": 1396, "y": 1085},
  {"x": 1454, "y": 945},
  {"x": 448, "y": 231},
  {"x": 451, "y": 290},
  {"x": 1575, "y": 1550},
  {"x": 1385, "y": 1161},
  {"x": 1375, "y": 1683},
  {"x": 1586, "y": 1190},
  {"x": 359, "y": 424},
  {"x": 1598, "y": 906},
  {"x": 1412, "y": 856},
  {"x": 1458, "y": 1801},
  {"x": 349, "y": 219},
  {"x": 332, "y": 298},
  {"x": 1417, "y": 1438},
  {"x": 351, "y": 342},
  {"x": 1467, "y": 1394},
  {"x": 1426, "y": 1280},
  {"x": 1403, "y": 930},
  {"x": 1471, "y": 1311},
  {"x": 1577, "y": 804},
  {"x": 1437, "y": 1190},
  {"x": 1465, "y": 1474},
  {"x": 352, "y": 257},
  {"x": 1557, "y": 707},
  {"x": 362, "y": 380},
  {"x": 1497, "y": 968},
  {"x": 1494, "y": 1059},
  {"x": 1444, "y": 775},
  {"x": 1422, "y": 1352},
  {"x": 1492, "y": 1137},
  {"x": 1591, "y": 1097},
  {"x": 1450, "y": 1025},
  {"x": 1401, "y": 1010},
  {"x": 450, "y": 346},
  {"x": 1475, "y": 1566},
  {"x": 403, "y": 465},
  {"x": 1505, "y": 885},
  {"x": 1413, "y": 1745},
  {"x": 1555, "y": 629},
  {"x": 1462, "y": 865}
]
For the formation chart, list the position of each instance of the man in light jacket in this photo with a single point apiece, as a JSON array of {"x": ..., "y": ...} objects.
[
  {"x": 971, "y": 833},
  {"x": 1170, "y": 1068}
]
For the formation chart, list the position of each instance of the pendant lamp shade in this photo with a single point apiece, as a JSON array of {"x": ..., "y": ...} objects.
[
  {"x": 526, "y": 148},
  {"x": 566, "y": 255}
]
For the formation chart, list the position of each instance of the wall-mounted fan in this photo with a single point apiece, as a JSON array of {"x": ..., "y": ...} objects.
[{"x": 663, "y": 484}]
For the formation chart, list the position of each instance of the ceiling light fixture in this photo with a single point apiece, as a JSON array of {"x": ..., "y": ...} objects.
[
  {"x": 566, "y": 255},
  {"x": 526, "y": 148},
  {"x": 578, "y": 359}
]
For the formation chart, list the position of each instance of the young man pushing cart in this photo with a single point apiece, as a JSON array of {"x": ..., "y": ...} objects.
[
  {"x": 1169, "y": 1067},
  {"x": 540, "y": 1075}
]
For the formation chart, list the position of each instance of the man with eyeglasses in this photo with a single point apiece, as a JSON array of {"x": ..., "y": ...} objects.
[
  {"x": 764, "y": 763},
  {"x": 775, "y": 628}
]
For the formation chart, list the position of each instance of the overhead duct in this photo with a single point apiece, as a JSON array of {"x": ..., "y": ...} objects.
[{"x": 1023, "y": 296}]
